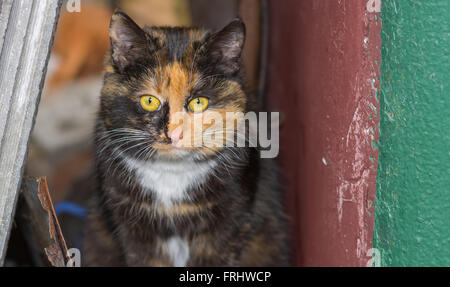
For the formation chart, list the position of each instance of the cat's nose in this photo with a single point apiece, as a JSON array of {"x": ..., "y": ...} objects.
[{"x": 175, "y": 135}]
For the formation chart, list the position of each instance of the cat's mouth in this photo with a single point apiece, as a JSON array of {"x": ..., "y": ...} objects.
[
  {"x": 171, "y": 150},
  {"x": 179, "y": 151}
]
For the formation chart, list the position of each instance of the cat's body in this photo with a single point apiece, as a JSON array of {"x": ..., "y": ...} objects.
[{"x": 161, "y": 204}]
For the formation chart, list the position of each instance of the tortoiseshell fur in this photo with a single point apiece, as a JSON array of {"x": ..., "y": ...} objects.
[{"x": 233, "y": 216}]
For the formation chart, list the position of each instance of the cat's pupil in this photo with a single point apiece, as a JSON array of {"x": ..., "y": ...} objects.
[
  {"x": 198, "y": 101},
  {"x": 149, "y": 100}
]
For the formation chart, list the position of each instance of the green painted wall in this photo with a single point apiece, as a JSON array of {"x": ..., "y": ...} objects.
[{"x": 412, "y": 219}]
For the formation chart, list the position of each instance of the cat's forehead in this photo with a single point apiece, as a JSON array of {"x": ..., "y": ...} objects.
[
  {"x": 177, "y": 46},
  {"x": 177, "y": 42},
  {"x": 175, "y": 82},
  {"x": 178, "y": 34}
]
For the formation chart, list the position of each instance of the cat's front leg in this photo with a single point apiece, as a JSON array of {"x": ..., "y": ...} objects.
[{"x": 142, "y": 248}]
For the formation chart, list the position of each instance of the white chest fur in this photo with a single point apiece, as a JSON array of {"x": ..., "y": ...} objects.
[
  {"x": 169, "y": 181},
  {"x": 178, "y": 251}
]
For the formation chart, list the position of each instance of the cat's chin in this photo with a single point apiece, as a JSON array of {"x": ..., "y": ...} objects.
[
  {"x": 175, "y": 153},
  {"x": 180, "y": 154}
]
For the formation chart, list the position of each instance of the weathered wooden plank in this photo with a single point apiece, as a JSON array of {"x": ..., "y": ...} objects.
[
  {"x": 5, "y": 9},
  {"x": 26, "y": 32}
]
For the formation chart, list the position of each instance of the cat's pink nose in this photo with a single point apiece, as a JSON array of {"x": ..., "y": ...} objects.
[{"x": 175, "y": 135}]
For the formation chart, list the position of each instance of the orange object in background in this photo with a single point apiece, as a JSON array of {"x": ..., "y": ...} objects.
[{"x": 81, "y": 42}]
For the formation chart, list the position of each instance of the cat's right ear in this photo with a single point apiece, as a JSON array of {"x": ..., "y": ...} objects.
[{"x": 128, "y": 41}]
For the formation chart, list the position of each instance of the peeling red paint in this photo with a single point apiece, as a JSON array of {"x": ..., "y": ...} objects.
[{"x": 323, "y": 71}]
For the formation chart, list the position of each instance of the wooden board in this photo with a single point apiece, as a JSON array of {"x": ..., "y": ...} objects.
[{"x": 26, "y": 33}]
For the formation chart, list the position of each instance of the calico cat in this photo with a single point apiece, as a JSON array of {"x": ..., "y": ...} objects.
[{"x": 160, "y": 200}]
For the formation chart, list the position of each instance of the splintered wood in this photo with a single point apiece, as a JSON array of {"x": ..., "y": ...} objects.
[
  {"x": 57, "y": 252},
  {"x": 39, "y": 222}
]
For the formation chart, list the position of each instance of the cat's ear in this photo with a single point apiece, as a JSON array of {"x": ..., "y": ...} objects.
[
  {"x": 128, "y": 40},
  {"x": 226, "y": 46}
]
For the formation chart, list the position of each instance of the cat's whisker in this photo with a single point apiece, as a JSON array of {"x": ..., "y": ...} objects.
[
  {"x": 115, "y": 155},
  {"x": 129, "y": 130},
  {"x": 228, "y": 162},
  {"x": 123, "y": 142},
  {"x": 127, "y": 149},
  {"x": 119, "y": 135},
  {"x": 230, "y": 136},
  {"x": 122, "y": 135},
  {"x": 141, "y": 152}
]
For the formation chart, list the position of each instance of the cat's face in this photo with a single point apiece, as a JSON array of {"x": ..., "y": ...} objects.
[{"x": 167, "y": 90}]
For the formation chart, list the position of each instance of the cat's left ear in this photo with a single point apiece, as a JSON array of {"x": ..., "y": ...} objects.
[{"x": 226, "y": 46}]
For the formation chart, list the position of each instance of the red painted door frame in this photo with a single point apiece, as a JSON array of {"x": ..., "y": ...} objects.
[{"x": 322, "y": 76}]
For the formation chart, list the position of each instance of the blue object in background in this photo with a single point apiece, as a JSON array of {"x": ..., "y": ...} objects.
[{"x": 70, "y": 208}]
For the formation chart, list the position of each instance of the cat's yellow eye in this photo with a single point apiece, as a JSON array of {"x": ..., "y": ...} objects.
[
  {"x": 150, "y": 103},
  {"x": 198, "y": 104}
]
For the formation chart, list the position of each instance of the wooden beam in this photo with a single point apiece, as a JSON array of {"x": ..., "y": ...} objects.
[{"x": 26, "y": 33}]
